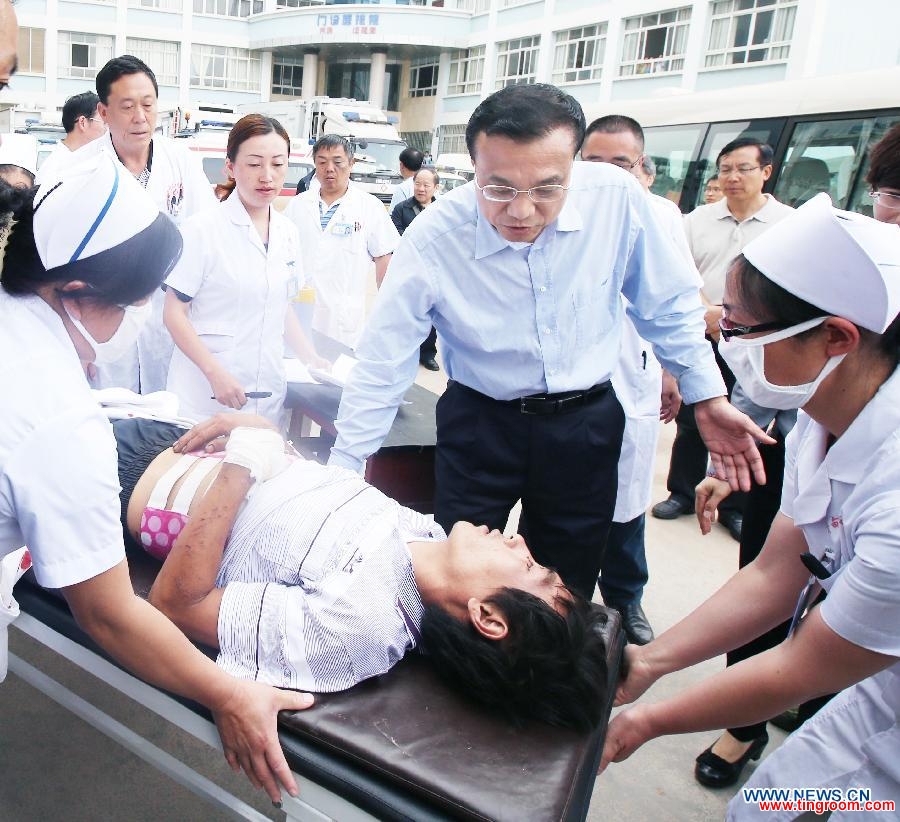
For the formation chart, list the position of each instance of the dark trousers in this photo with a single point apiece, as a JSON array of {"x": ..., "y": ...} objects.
[
  {"x": 562, "y": 466},
  {"x": 763, "y": 502},
  {"x": 428, "y": 348},
  {"x": 687, "y": 466},
  {"x": 624, "y": 574}
]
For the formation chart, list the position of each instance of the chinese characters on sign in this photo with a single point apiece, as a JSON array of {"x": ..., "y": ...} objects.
[{"x": 347, "y": 23}]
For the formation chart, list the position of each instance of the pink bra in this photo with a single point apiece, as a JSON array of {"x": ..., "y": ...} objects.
[{"x": 160, "y": 526}]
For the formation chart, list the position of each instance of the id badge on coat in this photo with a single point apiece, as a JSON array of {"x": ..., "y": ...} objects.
[{"x": 341, "y": 229}]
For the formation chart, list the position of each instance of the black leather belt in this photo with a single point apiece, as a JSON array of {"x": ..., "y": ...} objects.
[{"x": 543, "y": 404}]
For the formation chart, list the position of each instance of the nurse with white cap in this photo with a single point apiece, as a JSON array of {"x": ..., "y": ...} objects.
[
  {"x": 809, "y": 321},
  {"x": 79, "y": 261}
]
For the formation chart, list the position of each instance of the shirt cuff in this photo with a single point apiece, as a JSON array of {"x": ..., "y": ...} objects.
[
  {"x": 702, "y": 383},
  {"x": 338, "y": 459}
]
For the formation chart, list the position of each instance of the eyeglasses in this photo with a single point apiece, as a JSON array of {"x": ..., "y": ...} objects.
[
  {"x": 537, "y": 194},
  {"x": 728, "y": 330},
  {"x": 885, "y": 199},
  {"x": 625, "y": 164},
  {"x": 725, "y": 171}
]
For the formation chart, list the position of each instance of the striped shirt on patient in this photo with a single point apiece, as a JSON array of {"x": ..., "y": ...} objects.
[{"x": 319, "y": 586}]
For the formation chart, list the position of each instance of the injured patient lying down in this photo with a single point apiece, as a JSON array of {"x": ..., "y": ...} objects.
[{"x": 304, "y": 576}]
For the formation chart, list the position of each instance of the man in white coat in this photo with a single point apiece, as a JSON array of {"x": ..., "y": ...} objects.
[
  {"x": 343, "y": 230},
  {"x": 83, "y": 125},
  {"x": 170, "y": 174},
  {"x": 646, "y": 392}
]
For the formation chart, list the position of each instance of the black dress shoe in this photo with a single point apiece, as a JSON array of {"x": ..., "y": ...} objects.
[
  {"x": 733, "y": 521},
  {"x": 672, "y": 508},
  {"x": 715, "y": 772},
  {"x": 430, "y": 363},
  {"x": 635, "y": 623}
]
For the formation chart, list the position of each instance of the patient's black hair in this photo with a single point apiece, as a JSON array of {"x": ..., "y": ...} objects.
[{"x": 550, "y": 666}]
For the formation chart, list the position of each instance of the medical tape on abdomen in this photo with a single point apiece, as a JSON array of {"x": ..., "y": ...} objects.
[
  {"x": 185, "y": 495},
  {"x": 159, "y": 496}
]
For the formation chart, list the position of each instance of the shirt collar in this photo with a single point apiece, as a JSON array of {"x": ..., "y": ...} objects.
[
  {"x": 764, "y": 215},
  {"x": 817, "y": 467},
  {"x": 489, "y": 241}
]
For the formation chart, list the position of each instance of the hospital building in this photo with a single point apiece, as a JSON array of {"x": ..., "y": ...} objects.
[{"x": 429, "y": 62}]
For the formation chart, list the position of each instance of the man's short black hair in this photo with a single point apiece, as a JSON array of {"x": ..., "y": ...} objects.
[
  {"x": 550, "y": 666},
  {"x": 333, "y": 141},
  {"x": 764, "y": 149},
  {"x": 525, "y": 113},
  {"x": 119, "y": 67},
  {"x": 79, "y": 105},
  {"x": 412, "y": 158},
  {"x": 616, "y": 124}
]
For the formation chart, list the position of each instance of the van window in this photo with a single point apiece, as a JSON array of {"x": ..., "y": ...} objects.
[
  {"x": 831, "y": 156},
  {"x": 214, "y": 169},
  {"x": 672, "y": 149}
]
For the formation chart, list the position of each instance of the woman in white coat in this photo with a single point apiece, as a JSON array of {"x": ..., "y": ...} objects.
[
  {"x": 228, "y": 299},
  {"x": 810, "y": 321},
  {"x": 79, "y": 260}
]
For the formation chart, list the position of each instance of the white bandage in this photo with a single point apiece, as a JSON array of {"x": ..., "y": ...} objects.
[{"x": 259, "y": 450}]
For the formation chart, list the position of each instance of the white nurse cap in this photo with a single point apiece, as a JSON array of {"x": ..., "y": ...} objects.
[
  {"x": 19, "y": 150},
  {"x": 93, "y": 205},
  {"x": 844, "y": 263}
]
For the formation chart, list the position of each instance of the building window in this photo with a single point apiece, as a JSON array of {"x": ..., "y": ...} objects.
[
  {"x": 423, "y": 77},
  {"x": 655, "y": 43},
  {"x": 452, "y": 140},
  {"x": 579, "y": 54},
  {"x": 82, "y": 55},
  {"x": 474, "y": 6},
  {"x": 162, "y": 5},
  {"x": 750, "y": 31},
  {"x": 517, "y": 61},
  {"x": 228, "y": 8},
  {"x": 466, "y": 71},
  {"x": 287, "y": 76},
  {"x": 160, "y": 55},
  {"x": 31, "y": 51},
  {"x": 223, "y": 67}
]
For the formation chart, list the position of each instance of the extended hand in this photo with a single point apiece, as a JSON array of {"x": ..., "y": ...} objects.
[
  {"x": 670, "y": 398},
  {"x": 248, "y": 726},
  {"x": 707, "y": 497},
  {"x": 625, "y": 734},
  {"x": 638, "y": 675},
  {"x": 731, "y": 438},
  {"x": 211, "y": 434}
]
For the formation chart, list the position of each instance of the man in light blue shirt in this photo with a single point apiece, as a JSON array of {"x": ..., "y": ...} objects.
[
  {"x": 411, "y": 160},
  {"x": 521, "y": 274}
]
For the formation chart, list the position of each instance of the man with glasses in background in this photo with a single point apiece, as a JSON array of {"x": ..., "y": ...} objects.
[
  {"x": 83, "y": 125},
  {"x": 716, "y": 234},
  {"x": 521, "y": 272}
]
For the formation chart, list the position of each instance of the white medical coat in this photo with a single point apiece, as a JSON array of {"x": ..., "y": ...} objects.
[
  {"x": 338, "y": 260},
  {"x": 847, "y": 501},
  {"x": 59, "y": 485},
  {"x": 637, "y": 380},
  {"x": 180, "y": 189},
  {"x": 240, "y": 294}
]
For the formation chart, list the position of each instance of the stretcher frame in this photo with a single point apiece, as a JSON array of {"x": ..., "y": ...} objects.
[{"x": 342, "y": 773}]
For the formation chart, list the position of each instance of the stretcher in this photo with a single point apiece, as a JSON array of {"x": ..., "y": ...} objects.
[{"x": 402, "y": 746}]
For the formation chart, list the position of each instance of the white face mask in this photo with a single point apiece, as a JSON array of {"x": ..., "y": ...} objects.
[
  {"x": 125, "y": 335},
  {"x": 747, "y": 358}
]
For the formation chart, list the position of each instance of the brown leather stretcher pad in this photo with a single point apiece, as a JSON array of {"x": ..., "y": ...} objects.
[{"x": 403, "y": 746}]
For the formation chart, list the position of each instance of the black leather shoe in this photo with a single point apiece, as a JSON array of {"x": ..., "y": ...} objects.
[
  {"x": 733, "y": 521},
  {"x": 635, "y": 623},
  {"x": 430, "y": 363},
  {"x": 671, "y": 508},
  {"x": 715, "y": 772}
]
